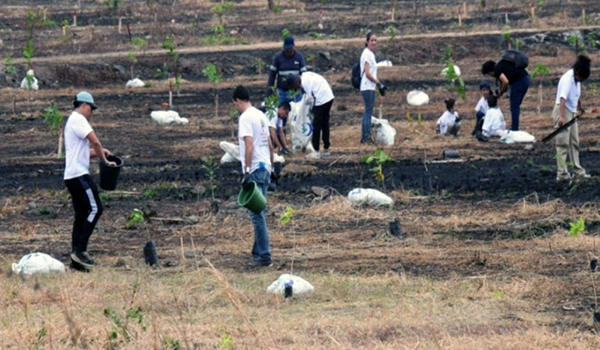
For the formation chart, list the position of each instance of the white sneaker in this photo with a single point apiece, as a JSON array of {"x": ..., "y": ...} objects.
[
  {"x": 313, "y": 155},
  {"x": 325, "y": 154}
]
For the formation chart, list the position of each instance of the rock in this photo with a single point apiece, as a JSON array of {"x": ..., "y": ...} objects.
[
  {"x": 31, "y": 205},
  {"x": 193, "y": 218},
  {"x": 326, "y": 55},
  {"x": 395, "y": 228},
  {"x": 199, "y": 190},
  {"x": 119, "y": 68},
  {"x": 320, "y": 192}
]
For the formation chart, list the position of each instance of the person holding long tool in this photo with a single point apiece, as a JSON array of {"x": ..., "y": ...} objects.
[{"x": 567, "y": 106}]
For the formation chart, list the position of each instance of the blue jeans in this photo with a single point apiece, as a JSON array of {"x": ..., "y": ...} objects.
[
  {"x": 369, "y": 99},
  {"x": 260, "y": 249},
  {"x": 518, "y": 89},
  {"x": 284, "y": 96}
]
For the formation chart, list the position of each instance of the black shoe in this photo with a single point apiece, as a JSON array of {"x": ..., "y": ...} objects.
[
  {"x": 82, "y": 258},
  {"x": 75, "y": 266},
  {"x": 256, "y": 263}
]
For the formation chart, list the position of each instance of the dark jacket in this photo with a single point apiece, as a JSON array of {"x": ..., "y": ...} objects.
[{"x": 283, "y": 65}]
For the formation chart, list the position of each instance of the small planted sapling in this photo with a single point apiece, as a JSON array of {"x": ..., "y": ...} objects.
[
  {"x": 211, "y": 167},
  {"x": 11, "y": 71},
  {"x": 577, "y": 227},
  {"x": 171, "y": 64},
  {"x": 378, "y": 159},
  {"x": 541, "y": 71},
  {"x": 214, "y": 76},
  {"x": 138, "y": 44},
  {"x": 259, "y": 64},
  {"x": 54, "y": 118}
]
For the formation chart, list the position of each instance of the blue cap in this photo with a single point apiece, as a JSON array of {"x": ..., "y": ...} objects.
[
  {"x": 86, "y": 97},
  {"x": 288, "y": 42},
  {"x": 485, "y": 85}
]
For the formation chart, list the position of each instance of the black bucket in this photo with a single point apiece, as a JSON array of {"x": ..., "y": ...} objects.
[
  {"x": 450, "y": 154},
  {"x": 110, "y": 174},
  {"x": 150, "y": 255}
]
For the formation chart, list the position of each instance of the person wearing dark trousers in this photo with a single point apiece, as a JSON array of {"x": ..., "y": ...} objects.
[
  {"x": 256, "y": 155},
  {"x": 79, "y": 137},
  {"x": 319, "y": 92},
  {"x": 509, "y": 75}
]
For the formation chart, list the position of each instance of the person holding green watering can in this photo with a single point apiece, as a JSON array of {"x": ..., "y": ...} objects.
[{"x": 256, "y": 154}]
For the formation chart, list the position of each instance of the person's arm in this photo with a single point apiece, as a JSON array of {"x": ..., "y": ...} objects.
[
  {"x": 580, "y": 109},
  {"x": 248, "y": 141},
  {"x": 281, "y": 138},
  {"x": 368, "y": 73},
  {"x": 302, "y": 64},
  {"x": 561, "y": 113},
  {"x": 272, "y": 74},
  {"x": 504, "y": 84},
  {"x": 273, "y": 133},
  {"x": 97, "y": 150}
]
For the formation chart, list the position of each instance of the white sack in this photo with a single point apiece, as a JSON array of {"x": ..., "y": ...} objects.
[
  {"x": 233, "y": 151},
  {"x": 385, "y": 133},
  {"x": 301, "y": 124},
  {"x": 25, "y": 85},
  {"x": 417, "y": 98},
  {"x": 38, "y": 263},
  {"x": 456, "y": 70},
  {"x": 386, "y": 63},
  {"x": 135, "y": 83},
  {"x": 299, "y": 285},
  {"x": 168, "y": 118},
  {"x": 227, "y": 158},
  {"x": 369, "y": 196},
  {"x": 517, "y": 137}
]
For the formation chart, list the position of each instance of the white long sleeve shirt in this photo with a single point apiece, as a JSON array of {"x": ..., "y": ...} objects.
[{"x": 493, "y": 124}]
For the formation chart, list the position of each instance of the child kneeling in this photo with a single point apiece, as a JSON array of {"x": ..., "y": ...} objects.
[
  {"x": 493, "y": 122},
  {"x": 449, "y": 122}
]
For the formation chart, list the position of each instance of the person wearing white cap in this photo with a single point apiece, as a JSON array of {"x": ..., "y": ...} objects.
[{"x": 79, "y": 136}]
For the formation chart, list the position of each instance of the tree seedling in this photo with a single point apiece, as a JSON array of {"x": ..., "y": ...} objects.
[
  {"x": 577, "y": 227},
  {"x": 171, "y": 64},
  {"x": 11, "y": 71},
  {"x": 214, "y": 76},
  {"x": 211, "y": 167},
  {"x": 378, "y": 158},
  {"x": 542, "y": 71},
  {"x": 138, "y": 44},
  {"x": 259, "y": 64},
  {"x": 135, "y": 217},
  {"x": 54, "y": 119}
]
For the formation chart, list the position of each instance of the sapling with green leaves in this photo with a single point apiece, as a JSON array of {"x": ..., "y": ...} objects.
[
  {"x": 259, "y": 64},
  {"x": 214, "y": 76},
  {"x": 170, "y": 65},
  {"x": 138, "y": 44},
  {"x": 54, "y": 118},
  {"x": 541, "y": 71},
  {"x": 379, "y": 158},
  {"x": 577, "y": 227},
  {"x": 11, "y": 71},
  {"x": 211, "y": 167},
  {"x": 455, "y": 81},
  {"x": 233, "y": 117}
]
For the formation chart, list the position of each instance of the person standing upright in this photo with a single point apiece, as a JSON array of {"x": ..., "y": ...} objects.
[
  {"x": 567, "y": 105},
  {"x": 368, "y": 83},
  {"x": 321, "y": 95},
  {"x": 79, "y": 136},
  {"x": 513, "y": 75},
  {"x": 256, "y": 154},
  {"x": 284, "y": 63}
]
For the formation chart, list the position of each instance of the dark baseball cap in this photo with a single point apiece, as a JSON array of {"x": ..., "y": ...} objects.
[{"x": 288, "y": 42}]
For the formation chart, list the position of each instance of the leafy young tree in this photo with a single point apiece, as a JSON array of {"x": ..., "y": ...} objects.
[
  {"x": 542, "y": 71},
  {"x": 55, "y": 118},
  {"x": 214, "y": 76}
]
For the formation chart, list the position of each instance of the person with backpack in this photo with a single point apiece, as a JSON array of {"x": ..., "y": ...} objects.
[
  {"x": 510, "y": 71},
  {"x": 368, "y": 82},
  {"x": 566, "y": 106}
]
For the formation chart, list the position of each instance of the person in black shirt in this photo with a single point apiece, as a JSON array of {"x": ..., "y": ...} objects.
[
  {"x": 288, "y": 61},
  {"x": 509, "y": 75}
]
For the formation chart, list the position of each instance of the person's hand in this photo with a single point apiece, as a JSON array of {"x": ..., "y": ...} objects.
[
  {"x": 106, "y": 152},
  {"x": 109, "y": 163},
  {"x": 285, "y": 151},
  {"x": 245, "y": 181},
  {"x": 382, "y": 88},
  {"x": 561, "y": 121},
  {"x": 581, "y": 112}
]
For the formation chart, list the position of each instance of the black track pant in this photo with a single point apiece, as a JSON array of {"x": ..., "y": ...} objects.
[
  {"x": 88, "y": 209},
  {"x": 321, "y": 125}
]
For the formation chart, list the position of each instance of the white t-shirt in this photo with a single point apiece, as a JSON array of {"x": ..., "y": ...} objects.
[
  {"x": 493, "y": 124},
  {"x": 77, "y": 146},
  {"x": 569, "y": 90},
  {"x": 482, "y": 105},
  {"x": 446, "y": 120},
  {"x": 317, "y": 88},
  {"x": 275, "y": 122},
  {"x": 254, "y": 123},
  {"x": 367, "y": 56}
]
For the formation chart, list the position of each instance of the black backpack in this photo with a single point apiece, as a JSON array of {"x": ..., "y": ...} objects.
[
  {"x": 518, "y": 58},
  {"x": 356, "y": 76}
]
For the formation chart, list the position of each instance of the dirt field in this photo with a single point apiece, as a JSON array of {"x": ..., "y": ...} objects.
[{"x": 485, "y": 260}]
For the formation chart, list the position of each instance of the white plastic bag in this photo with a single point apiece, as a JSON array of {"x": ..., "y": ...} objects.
[
  {"x": 232, "y": 153},
  {"x": 517, "y": 137},
  {"x": 456, "y": 70},
  {"x": 385, "y": 133},
  {"x": 417, "y": 98},
  {"x": 38, "y": 263},
  {"x": 26, "y": 84},
  {"x": 386, "y": 63},
  {"x": 135, "y": 83},
  {"x": 168, "y": 118},
  {"x": 299, "y": 285},
  {"x": 301, "y": 125},
  {"x": 360, "y": 196}
]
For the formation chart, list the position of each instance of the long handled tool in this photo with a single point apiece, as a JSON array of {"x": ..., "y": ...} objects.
[{"x": 561, "y": 128}]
